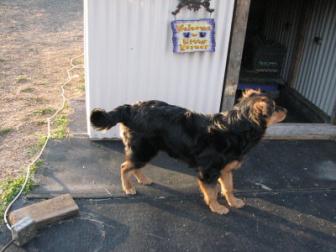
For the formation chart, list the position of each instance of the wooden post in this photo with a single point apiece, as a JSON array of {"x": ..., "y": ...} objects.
[{"x": 236, "y": 47}]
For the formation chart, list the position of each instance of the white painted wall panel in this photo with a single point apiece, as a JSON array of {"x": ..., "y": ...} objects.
[{"x": 128, "y": 56}]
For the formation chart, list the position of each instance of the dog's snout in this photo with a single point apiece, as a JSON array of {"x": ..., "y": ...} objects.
[{"x": 281, "y": 109}]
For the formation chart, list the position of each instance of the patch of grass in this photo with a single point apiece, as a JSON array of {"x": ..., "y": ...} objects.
[
  {"x": 22, "y": 78},
  {"x": 60, "y": 127},
  {"x": 9, "y": 188},
  {"x": 44, "y": 111},
  {"x": 5, "y": 131},
  {"x": 2, "y": 60},
  {"x": 82, "y": 78},
  {"x": 78, "y": 61},
  {"x": 40, "y": 123},
  {"x": 33, "y": 150},
  {"x": 35, "y": 100},
  {"x": 28, "y": 90},
  {"x": 81, "y": 87}
]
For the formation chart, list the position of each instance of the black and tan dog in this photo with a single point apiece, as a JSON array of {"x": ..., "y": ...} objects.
[{"x": 212, "y": 144}]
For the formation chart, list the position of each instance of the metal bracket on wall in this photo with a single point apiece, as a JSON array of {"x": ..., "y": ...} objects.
[{"x": 193, "y": 5}]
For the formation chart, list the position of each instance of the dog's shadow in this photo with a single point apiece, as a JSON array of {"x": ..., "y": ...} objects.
[
  {"x": 162, "y": 160},
  {"x": 167, "y": 170}
]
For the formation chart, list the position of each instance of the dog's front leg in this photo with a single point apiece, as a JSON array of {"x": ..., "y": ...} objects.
[
  {"x": 226, "y": 182},
  {"x": 210, "y": 193}
]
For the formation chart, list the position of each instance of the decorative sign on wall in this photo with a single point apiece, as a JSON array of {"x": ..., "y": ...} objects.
[{"x": 194, "y": 35}]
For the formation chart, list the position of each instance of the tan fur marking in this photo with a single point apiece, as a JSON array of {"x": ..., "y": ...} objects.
[
  {"x": 210, "y": 197},
  {"x": 250, "y": 92},
  {"x": 276, "y": 117},
  {"x": 232, "y": 165},
  {"x": 260, "y": 107},
  {"x": 226, "y": 182},
  {"x": 123, "y": 132}
]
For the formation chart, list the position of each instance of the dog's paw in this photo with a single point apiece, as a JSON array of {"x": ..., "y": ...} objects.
[
  {"x": 236, "y": 203},
  {"x": 218, "y": 208},
  {"x": 130, "y": 191}
]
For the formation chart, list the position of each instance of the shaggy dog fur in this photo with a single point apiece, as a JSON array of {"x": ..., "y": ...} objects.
[{"x": 212, "y": 144}]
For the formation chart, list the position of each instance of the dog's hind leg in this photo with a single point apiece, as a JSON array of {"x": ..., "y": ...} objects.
[
  {"x": 226, "y": 182},
  {"x": 138, "y": 152},
  {"x": 126, "y": 184},
  {"x": 141, "y": 178},
  {"x": 210, "y": 193}
]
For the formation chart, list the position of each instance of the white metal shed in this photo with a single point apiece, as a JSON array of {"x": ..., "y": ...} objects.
[{"x": 129, "y": 56}]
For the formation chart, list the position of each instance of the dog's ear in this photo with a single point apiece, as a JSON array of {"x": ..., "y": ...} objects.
[
  {"x": 250, "y": 92},
  {"x": 262, "y": 107}
]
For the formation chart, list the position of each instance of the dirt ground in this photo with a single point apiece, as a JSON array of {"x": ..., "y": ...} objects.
[{"x": 37, "y": 40}]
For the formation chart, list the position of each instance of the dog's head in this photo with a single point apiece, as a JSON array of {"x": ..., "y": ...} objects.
[{"x": 260, "y": 108}]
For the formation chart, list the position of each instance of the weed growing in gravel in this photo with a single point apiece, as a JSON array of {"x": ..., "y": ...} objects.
[
  {"x": 22, "y": 78},
  {"x": 5, "y": 131},
  {"x": 81, "y": 87},
  {"x": 33, "y": 150},
  {"x": 27, "y": 90},
  {"x": 44, "y": 111},
  {"x": 60, "y": 127},
  {"x": 40, "y": 123}
]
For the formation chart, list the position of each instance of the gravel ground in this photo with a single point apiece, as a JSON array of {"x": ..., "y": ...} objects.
[{"x": 37, "y": 40}]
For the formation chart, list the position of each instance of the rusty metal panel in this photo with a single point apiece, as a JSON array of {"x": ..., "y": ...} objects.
[{"x": 129, "y": 56}]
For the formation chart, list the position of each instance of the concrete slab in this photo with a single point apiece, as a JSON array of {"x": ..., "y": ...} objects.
[
  {"x": 47, "y": 211},
  {"x": 269, "y": 222},
  {"x": 301, "y": 131},
  {"x": 77, "y": 124},
  {"x": 91, "y": 169},
  {"x": 87, "y": 169}
]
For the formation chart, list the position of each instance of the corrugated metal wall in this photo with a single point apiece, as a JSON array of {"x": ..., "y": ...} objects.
[
  {"x": 128, "y": 56},
  {"x": 281, "y": 25},
  {"x": 316, "y": 79}
]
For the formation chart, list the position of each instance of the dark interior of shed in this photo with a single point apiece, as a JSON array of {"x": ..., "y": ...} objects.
[{"x": 261, "y": 66}]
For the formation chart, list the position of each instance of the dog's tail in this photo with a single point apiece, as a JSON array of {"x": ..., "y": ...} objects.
[{"x": 102, "y": 120}]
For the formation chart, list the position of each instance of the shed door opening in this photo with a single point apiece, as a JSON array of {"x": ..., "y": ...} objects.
[{"x": 290, "y": 53}]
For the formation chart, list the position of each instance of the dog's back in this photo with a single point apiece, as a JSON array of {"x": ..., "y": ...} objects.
[{"x": 166, "y": 127}]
